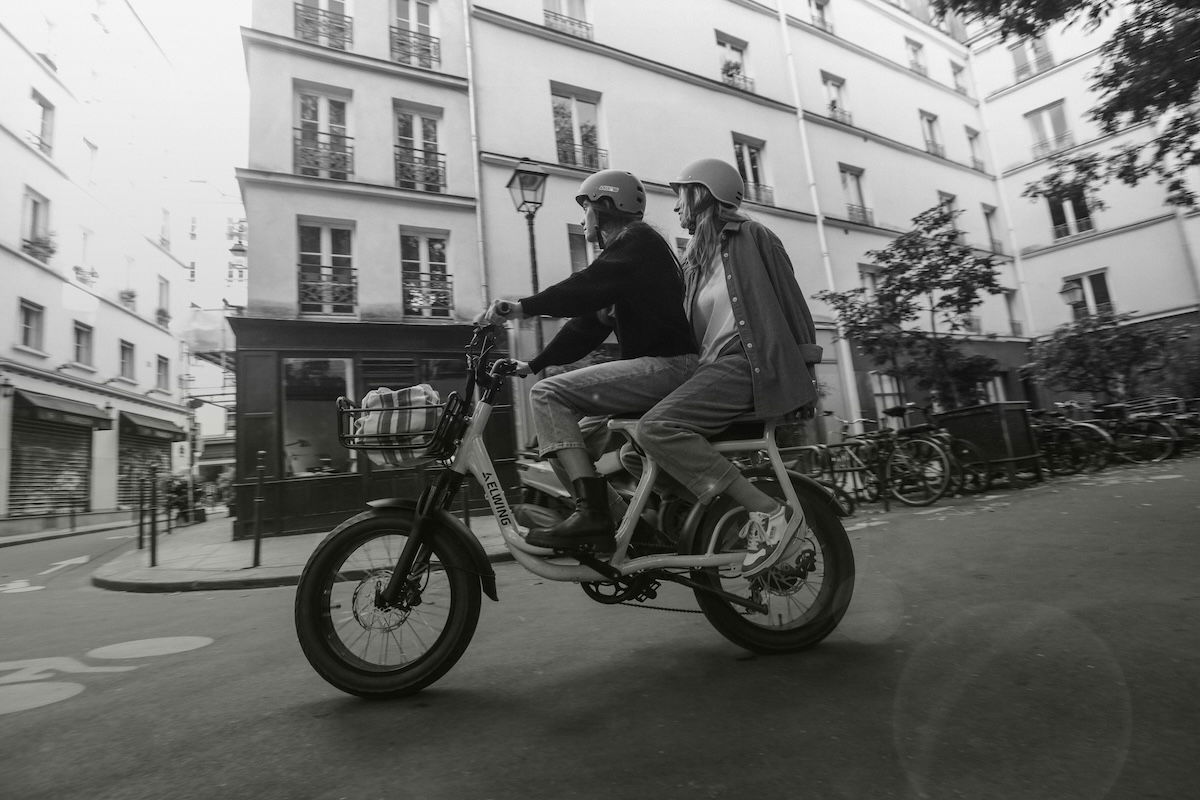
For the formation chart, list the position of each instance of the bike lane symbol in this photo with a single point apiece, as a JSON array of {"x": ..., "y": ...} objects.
[{"x": 25, "y": 686}]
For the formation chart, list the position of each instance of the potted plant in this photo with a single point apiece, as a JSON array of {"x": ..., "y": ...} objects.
[
  {"x": 128, "y": 298},
  {"x": 41, "y": 246},
  {"x": 731, "y": 70},
  {"x": 86, "y": 275},
  {"x": 162, "y": 316}
]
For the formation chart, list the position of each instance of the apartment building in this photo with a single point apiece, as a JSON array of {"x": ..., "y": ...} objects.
[
  {"x": 385, "y": 139},
  {"x": 96, "y": 267}
]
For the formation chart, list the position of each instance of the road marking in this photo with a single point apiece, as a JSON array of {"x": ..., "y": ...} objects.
[
  {"x": 35, "y": 669},
  {"x": 57, "y": 565},
  {"x": 16, "y": 587},
  {"x": 146, "y": 648},
  {"x": 23, "y": 698}
]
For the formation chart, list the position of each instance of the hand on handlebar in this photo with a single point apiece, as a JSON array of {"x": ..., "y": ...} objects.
[
  {"x": 499, "y": 312},
  {"x": 511, "y": 366}
]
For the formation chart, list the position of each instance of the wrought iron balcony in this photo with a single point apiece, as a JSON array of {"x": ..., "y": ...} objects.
[
  {"x": 824, "y": 25},
  {"x": 757, "y": 193},
  {"x": 1039, "y": 65},
  {"x": 327, "y": 290},
  {"x": 840, "y": 114},
  {"x": 935, "y": 148},
  {"x": 738, "y": 80},
  {"x": 568, "y": 25},
  {"x": 585, "y": 156},
  {"x": 321, "y": 154},
  {"x": 977, "y": 164},
  {"x": 1066, "y": 229},
  {"x": 917, "y": 67},
  {"x": 324, "y": 27},
  {"x": 416, "y": 49},
  {"x": 422, "y": 170},
  {"x": 428, "y": 294},
  {"x": 40, "y": 143},
  {"x": 860, "y": 214},
  {"x": 1048, "y": 147}
]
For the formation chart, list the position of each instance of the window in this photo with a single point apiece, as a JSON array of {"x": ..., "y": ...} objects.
[
  {"x": 36, "y": 239},
  {"x": 162, "y": 374},
  {"x": 973, "y": 149},
  {"x": 576, "y": 127},
  {"x": 428, "y": 285},
  {"x": 887, "y": 393},
  {"x": 419, "y": 165},
  {"x": 1069, "y": 214},
  {"x": 1030, "y": 57},
  {"x": 932, "y": 133},
  {"x": 818, "y": 12},
  {"x": 568, "y": 16},
  {"x": 322, "y": 147},
  {"x": 959, "y": 75},
  {"x": 852, "y": 190},
  {"x": 992, "y": 390},
  {"x": 1096, "y": 298},
  {"x": 82, "y": 353},
  {"x": 1048, "y": 126},
  {"x": 950, "y": 203},
  {"x": 868, "y": 278},
  {"x": 1010, "y": 307},
  {"x": 993, "y": 233},
  {"x": 41, "y": 131},
  {"x": 835, "y": 93},
  {"x": 582, "y": 251},
  {"x": 93, "y": 154},
  {"x": 731, "y": 55},
  {"x": 164, "y": 231},
  {"x": 33, "y": 318},
  {"x": 324, "y": 22},
  {"x": 163, "y": 312},
  {"x": 327, "y": 281},
  {"x": 127, "y": 361},
  {"x": 747, "y": 154},
  {"x": 916, "y": 56},
  {"x": 413, "y": 42}
]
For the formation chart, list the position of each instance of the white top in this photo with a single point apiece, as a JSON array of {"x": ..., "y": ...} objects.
[{"x": 712, "y": 313}]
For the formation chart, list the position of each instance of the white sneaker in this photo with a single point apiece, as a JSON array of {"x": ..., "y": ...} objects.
[{"x": 767, "y": 536}]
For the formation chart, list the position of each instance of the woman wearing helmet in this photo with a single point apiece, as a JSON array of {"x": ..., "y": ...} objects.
[
  {"x": 756, "y": 339},
  {"x": 635, "y": 288}
]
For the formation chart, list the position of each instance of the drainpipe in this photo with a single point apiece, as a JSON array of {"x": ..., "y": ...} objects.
[
  {"x": 476, "y": 165},
  {"x": 845, "y": 357}
]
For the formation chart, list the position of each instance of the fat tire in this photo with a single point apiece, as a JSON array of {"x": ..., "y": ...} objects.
[
  {"x": 450, "y": 566},
  {"x": 834, "y": 568}
]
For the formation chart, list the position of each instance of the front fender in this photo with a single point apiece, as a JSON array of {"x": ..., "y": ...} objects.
[{"x": 437, "y": 523}]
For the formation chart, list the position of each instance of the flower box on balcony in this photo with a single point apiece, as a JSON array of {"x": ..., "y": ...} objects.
[
  {"x": 128, "y": 298},
  {"x": 162, "y": 317},
  {"x": 40, "y": 247}
]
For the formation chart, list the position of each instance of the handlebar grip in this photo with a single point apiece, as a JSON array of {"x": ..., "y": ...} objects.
[{"x": 504, "y": 308}]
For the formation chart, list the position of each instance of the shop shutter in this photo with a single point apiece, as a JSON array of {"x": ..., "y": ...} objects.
[
  {"x": 51, "y": 468},
  {"x": 135, "y": 456}
]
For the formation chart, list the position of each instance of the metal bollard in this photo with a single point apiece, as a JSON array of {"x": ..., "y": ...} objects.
[
  {"x": 141, "y": 512},
  {"x": 258, "y": 501},
  {"x": 153, "y": 516}
]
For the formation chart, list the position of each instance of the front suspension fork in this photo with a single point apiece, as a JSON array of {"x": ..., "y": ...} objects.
[{"x": 415, "y": 555}]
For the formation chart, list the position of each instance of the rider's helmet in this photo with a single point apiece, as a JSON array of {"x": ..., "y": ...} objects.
[
  {"x": 620, "y": 191},
  {"x": 719, "y": 177}
]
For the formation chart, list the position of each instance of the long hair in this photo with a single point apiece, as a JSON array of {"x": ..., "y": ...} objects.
[{"x": 709, "y": 216}]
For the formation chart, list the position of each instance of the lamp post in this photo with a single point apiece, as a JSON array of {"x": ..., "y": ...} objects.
[
  {"x": 1071, "y": 293},
  {"x": 528, "y": 188}
]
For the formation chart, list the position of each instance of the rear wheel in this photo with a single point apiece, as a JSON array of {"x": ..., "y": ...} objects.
[
  {"x": 369, "y": 648},
  {"x": 974, "y": 472},
  {"x": 1065, "y": 451},
  {"x": 806, "y": 592},
  {"x": 1144, "y": 440},
  {"x": 918, "y": 472},
  {"x": 1098, "y": 443}
]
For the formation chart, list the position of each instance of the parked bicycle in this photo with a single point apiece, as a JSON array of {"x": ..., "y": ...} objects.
[
  {"x": 390, "y": 600},
  {"x": 1139, "y": 436},
  {"x": 904, "y": 465},
  {"x": 970, "y": 470},
  {"x": 1062, "y": 450}
]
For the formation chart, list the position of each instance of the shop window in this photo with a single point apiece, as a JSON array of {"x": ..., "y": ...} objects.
[{"x": 310, "y": 388}]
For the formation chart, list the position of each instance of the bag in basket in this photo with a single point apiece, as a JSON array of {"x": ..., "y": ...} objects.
[{"x": 411, "y": 414}]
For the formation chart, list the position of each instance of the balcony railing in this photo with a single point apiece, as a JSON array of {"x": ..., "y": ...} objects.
[
  {"x": 918, "y": 67},
  {"x": 998, "y": 246},
  {"x": 738, "y": 80},
  {"x": 428, "y": 294},
  {"x": 416, "y": 49},
  {"x": 1039, "y": 65},
  {"x": 586, "y": 157},
  {"x": 324, "y": 27},
  {"x": 935, "y": 148},
  {"x": 1048, "y": 147},
  {"x": 39, "y": 247},
  {"x": 332, "y": 290},
  {"x": 840, "y": 114},
  {"x": 824, "y": 25},
  {"x": 321, "y": 154},
  {"x": 977, "y": 164},
  {"x": 1066, "y": 229},
  {"x": 860, "y": 214},
  {"x": 422, "y": 170},
  {"x": 568, "y": 25},
  {"x": 758, "y": 193},
  {"x": 40, "y": 143}
]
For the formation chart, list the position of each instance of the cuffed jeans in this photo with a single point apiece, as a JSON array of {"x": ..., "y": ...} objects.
[
  {"x": 675, "y": 432},
  {"x": 627, "y": 386}
]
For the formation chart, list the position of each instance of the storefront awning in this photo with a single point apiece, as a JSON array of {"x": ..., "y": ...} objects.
[
  {"x": 48, "y": 408},
  {"x": 151, "y": 428}
]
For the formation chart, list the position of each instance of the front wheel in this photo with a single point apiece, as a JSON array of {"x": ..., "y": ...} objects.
[
  {"x": 367, "y": 647},
  {"x": 806, "y": 592},
  {"x": 1143, "y": 441},
  {"x": 918, "y": 472}
]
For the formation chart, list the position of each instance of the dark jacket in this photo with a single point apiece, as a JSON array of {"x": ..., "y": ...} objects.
[
  {"x": 636, "y": 275},
  {"x": 772, "y": 317}
]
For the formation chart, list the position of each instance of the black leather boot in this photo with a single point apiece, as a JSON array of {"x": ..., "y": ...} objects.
[{"x": 590, "y": 527}]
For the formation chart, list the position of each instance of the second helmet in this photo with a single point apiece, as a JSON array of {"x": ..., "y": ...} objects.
[
  {"x": 623, "y": 189},
  {"x": 719, "y": 177}
]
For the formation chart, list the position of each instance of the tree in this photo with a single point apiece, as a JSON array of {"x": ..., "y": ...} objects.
[
  {"x": 1149, "y": 73},
  {"x": 1104, "y": 355},
  {"x": 925, "y": 273}
]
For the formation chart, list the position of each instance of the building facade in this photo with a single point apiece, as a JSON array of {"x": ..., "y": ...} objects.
[{"x": 384, "y": 136}]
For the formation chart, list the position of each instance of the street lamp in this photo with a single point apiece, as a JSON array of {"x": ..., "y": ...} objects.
[
  {"x": 1071, "y": 293},
  {"x": 528, "y": 188}
]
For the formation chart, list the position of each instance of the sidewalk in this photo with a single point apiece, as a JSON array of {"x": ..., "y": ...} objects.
[{"x": 204, "y": 556}]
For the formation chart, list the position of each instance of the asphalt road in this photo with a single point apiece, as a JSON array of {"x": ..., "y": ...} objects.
[{"x": 1032, "y": 644}]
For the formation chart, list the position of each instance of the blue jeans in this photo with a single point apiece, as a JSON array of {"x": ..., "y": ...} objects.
[
  {"x": 628, "y": 386},
  {"x": 675, "y": 432}
]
